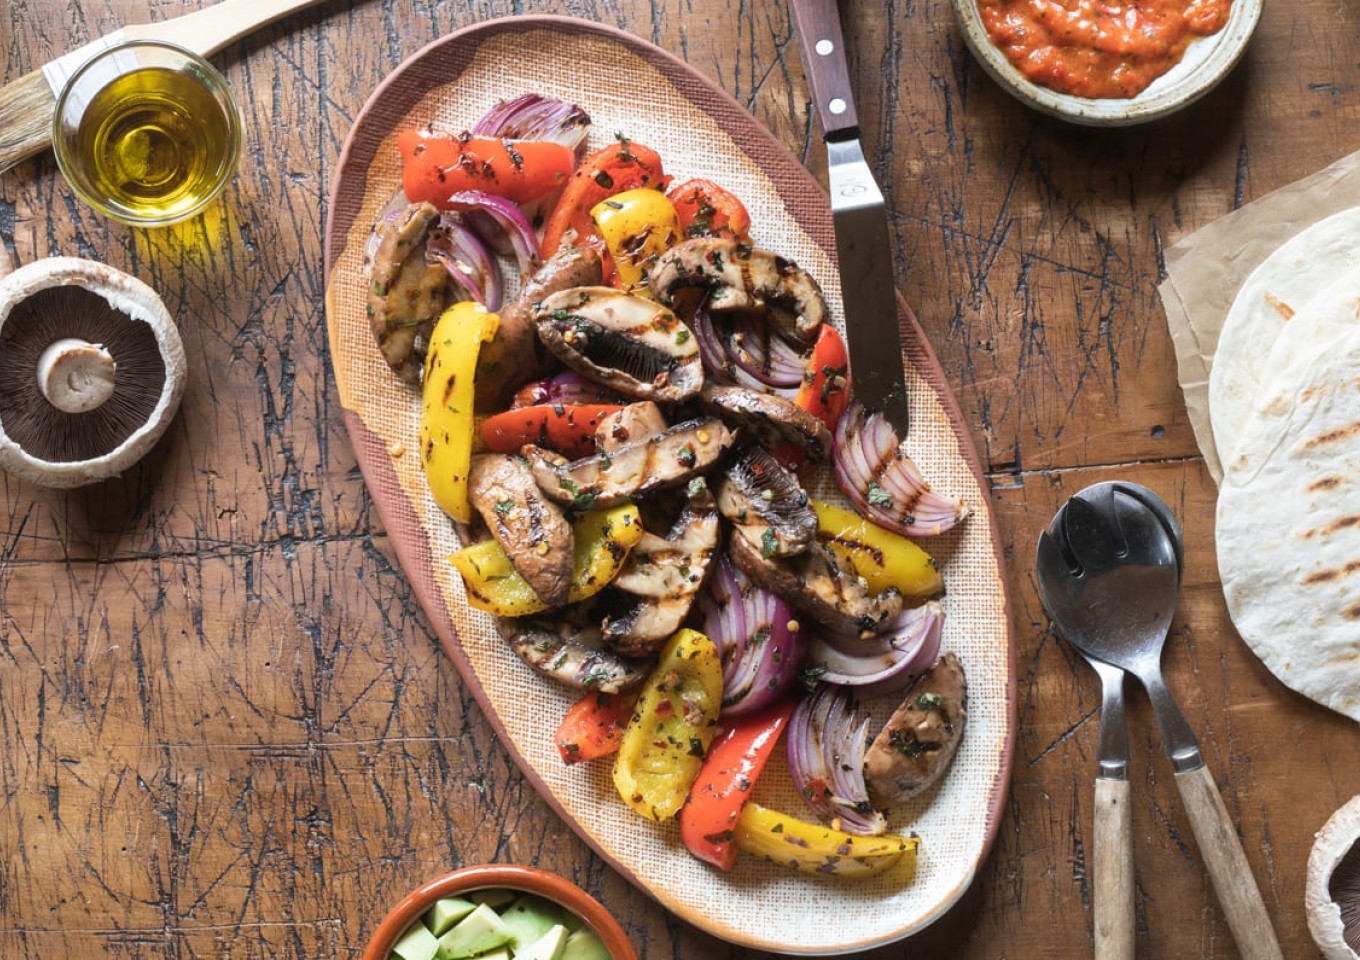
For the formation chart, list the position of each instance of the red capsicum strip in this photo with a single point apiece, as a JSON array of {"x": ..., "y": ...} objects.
[
  {"x": 724, "y": 784},
  {"x": 825, "y": 390},
  {"x": 621, "y": 166},
  {"x": 594, "y": 726},
  {"x": 567, "y": 428},
  {"x": 707, "y": 210},
  {"x": 436, "y": 165}
]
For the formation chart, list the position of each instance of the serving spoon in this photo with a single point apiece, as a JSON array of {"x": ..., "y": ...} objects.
[{"x": 1109, "y": 569}]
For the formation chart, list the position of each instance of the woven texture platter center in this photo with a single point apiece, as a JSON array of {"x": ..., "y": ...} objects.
[{"x": 698, "y": 131}]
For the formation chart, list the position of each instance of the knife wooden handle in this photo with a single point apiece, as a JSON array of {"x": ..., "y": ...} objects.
[
  {"x": 1113, "y": 870},
  {"x": 1233, "y": 882},
  {"x": 818, "y": 23}
]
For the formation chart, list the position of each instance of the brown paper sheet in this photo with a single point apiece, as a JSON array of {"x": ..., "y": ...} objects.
[{"x": 1206, "y": 269}]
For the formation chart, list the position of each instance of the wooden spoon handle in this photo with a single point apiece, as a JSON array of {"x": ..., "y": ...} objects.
[
  {"x": 818, "y": 23},
  {"x": 1233, "y": 882},
  {"x": 208, "y": 30},
  {"x": 1113, "y": 871}
]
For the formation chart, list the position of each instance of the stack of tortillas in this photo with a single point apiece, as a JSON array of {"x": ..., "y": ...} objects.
[{"x": 1284, "y": 400}]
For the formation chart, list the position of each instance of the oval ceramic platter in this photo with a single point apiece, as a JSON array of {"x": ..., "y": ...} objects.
[{"x": 699, "y": 131}]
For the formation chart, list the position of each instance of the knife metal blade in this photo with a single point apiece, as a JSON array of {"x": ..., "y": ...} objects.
[
  {"x": 864, "y": 249},
  {"x": 864, "y": 243}
]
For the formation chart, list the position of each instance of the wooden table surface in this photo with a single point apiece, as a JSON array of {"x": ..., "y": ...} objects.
[{"x": 228, "y": 729}]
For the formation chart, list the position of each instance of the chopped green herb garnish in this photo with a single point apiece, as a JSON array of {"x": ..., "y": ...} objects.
[{"x": 879, "y": 497}]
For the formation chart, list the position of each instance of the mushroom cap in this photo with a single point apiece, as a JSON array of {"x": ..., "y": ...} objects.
[
  {"x": 1334, "y": 842},
  {"x": 68, "y": 296}
]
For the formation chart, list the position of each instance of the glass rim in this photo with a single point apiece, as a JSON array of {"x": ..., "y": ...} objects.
[{"x": 216, "y": 83}]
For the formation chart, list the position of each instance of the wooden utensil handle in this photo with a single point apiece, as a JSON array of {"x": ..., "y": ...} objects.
[
  {"x": 208, "y": 30},
  {"x": 1233, "y": 881},
  {"x": 1113, "y": 871},
  {"x": 818, "y": 23}
]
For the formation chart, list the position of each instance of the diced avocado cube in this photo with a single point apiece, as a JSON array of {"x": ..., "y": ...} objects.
[
  {"x": 417, "y": 943},
  {"x": 479, "y": 932},
  {"x": 445, "y": 913},
  {"x": 500, "y": 953},
  {"x": 496, "y": 897},
  {"x": 547, "y": 947},
  {"x": 529, "y": 918},
  {"x": 583, "y": 944}
]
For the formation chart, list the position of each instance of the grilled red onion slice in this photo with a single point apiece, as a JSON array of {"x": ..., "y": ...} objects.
[
  {"x": 534, "y": 117},
  {"x": 883, "y": 482},
  {"x": 755, "y": 347},
  {"x": 827, "y": 741},
  {"x": 761, "y": 643},
  {"x": 510, "y": 223},
  {"x": 719, "y": 367},
  {"x": 466, "y": 259},
  {"x": 885, "y": 663},
  {"x": 566, "y": 387}
]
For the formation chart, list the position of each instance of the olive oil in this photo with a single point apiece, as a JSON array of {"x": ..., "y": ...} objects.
[{"x": 155, "y": 142}]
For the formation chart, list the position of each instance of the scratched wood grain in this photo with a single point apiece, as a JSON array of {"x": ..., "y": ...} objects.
[{"x": 228, "y": 729}]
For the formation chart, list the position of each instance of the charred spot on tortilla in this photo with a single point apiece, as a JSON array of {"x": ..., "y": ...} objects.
[{"x": 1335, "y": 436}]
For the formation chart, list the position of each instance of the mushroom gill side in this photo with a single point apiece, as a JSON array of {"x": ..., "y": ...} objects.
[
  {"x": 1332, "y": 896},
  {"x": 91, "y": 371}
]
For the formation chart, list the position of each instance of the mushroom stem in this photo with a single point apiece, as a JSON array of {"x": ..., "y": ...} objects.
[{"x": 76, "y": 376}]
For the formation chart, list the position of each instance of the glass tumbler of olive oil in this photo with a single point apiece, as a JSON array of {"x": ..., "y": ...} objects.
[{"x": 147, "y": 132}]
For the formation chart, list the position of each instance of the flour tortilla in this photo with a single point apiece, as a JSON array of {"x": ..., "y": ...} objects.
[
  {"x": 1289, "y": 527},
  {"x": 1281, "y": 287}
]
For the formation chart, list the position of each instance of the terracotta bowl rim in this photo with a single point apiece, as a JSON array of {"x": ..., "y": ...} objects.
[{"x": 510, "y": 876}]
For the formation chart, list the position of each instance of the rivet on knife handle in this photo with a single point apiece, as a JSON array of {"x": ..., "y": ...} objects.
[{"x": 823, "y": 50}]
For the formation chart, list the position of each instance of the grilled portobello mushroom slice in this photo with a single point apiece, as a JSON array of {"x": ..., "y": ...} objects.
[
  {"x": 530, "y": 528},
  {"x": 406, "y": 293},
  {"x": 766, "y": 504},
  {"x": 608, "y": 478},
  {"x": 769, "y": 419},
  {"x": 662, "y": 576},
  {"x": 635, "y": 345},
  {"x": 571, "y": 654},
  {"x": 816, "y": 584},
  {"x": 918, "y": 742},
  {"x": 737, "y": 276}
]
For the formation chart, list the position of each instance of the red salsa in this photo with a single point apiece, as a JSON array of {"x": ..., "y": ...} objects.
[{"x": 1099, "y": 48}]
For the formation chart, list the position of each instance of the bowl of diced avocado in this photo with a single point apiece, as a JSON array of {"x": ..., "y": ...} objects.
[{"x": 499, "y": 912}]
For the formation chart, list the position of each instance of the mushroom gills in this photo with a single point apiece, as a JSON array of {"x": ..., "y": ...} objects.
[
  {"x": 640, "y": 466},
  {"x": 663, "y": 576},
  {"x": 571, "y": 655},
  {"x": 766, "y": 504},
  {"x": 46, "y": 431},
  {"x": 1344, "y": 889},
  {"x": 632, "y": 344},
  {"x": 737, "y": 276}
]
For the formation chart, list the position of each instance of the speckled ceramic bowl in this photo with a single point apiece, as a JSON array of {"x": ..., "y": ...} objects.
[
  {"x": 506, "y": 877},
  {"x": 1207, "y": 61}
]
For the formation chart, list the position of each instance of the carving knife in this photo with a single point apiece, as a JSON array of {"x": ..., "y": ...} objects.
[{"x": 864, "y": 244}]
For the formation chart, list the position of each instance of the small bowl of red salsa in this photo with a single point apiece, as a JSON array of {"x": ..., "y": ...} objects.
[{"x": 1108, "y": 62}]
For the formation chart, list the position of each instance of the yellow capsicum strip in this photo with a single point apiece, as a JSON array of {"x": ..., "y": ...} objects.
[
  {"x": 674, "y": 722},
  {"x": 603, "y": 540},
  {"x": 637, "y": 226},
  {"x": 816, "y": 848},
  {"x": 446, "y": 409},
  {"x": 883, "y": 558}
]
